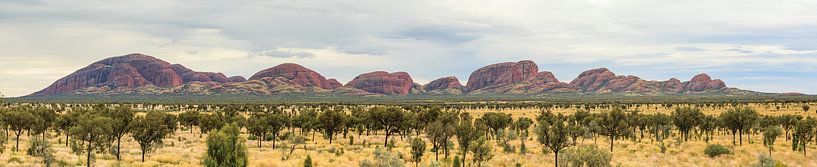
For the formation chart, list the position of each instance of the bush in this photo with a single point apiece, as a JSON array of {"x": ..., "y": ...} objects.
[
  {"x": 456, "y": 162},
  {"x": 42, "y": 149},
  {"x": 383, "y": 158},
  {"x": 589, "y": 155},
  {"x": 714, "y": 150},
  {"x": 764, "y": 160},
  {"x": 308, "y": 161},
  {"x": 225, "y": 148}
]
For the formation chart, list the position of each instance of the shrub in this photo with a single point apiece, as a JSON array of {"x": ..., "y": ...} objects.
[
  {"x": 456, "y": 162},
  {"x": 714, "y": 150},
  {"x": 764, "y": 160},
  {"x": 584, "y": 156},
  {"x": 42, "y": 149},
  {"x": 308, "y": 161},
  {"x": 383, "y": 158},
  {"x": 225, "y": 148}
]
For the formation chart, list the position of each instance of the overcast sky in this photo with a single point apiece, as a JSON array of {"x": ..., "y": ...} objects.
[{"x": 759, "y": 45}]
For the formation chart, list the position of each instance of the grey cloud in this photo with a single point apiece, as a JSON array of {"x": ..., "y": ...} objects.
[
  {"x": 281, "y": 54},
  {"x": 689, "y": 49}
]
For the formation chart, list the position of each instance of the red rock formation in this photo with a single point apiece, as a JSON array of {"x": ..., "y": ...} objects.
[
  {"x": 382, "y": 82},
  {"x": 130, "y": 71},
  {"x": 592, "y": 80},
  {"x": 333, "y": 83},
  {"x": 621, "y": 83},
  {"x": 297, "y": 74},
  {"x": 443, "y": 83},
  {"x": 189, "y": 75},
  {"x": 703, "y": 82},
  {"x": 502, "y": 74},
  {"x": 237, "y": 79},
  {"x": 672, "y": 85}
]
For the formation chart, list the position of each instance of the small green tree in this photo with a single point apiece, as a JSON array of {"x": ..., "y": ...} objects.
[
  {"x": 149, "y": 131},
  {"x": 686, "y": 118},
  {"x": 613, "y": 124},
  {"x": 769, "y": 136},
  {"x": 803, "y": 133},
  {"x": 806, "y": 107},
  {"x": 257, "y": 125},
  {"x": 308, "y": 161},
  {"x": 65, "y": 122},
  {"x": 190, "y": 119},
  {"x": 552, "y": 132},
  {"x": 94, "y": 131},
  {"x": 122, "y": 117},
  {"x": 466, "y": 132},
  {"x": 482, "y": 151},
  {"x": 418, "y": 147},
  {"x": 225, "y": 148},
  {"x": 42, "y": 149},
  {"x": 331, "y": 122},
  {"x": 18, "y": 121}
]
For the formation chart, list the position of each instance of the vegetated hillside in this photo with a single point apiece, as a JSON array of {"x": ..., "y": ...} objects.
[{"x": 139, "y": 74}]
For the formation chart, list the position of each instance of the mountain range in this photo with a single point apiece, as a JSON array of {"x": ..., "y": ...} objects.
[{"x": 146, "y": 75}]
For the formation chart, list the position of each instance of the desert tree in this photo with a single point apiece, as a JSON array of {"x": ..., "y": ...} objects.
[
  {"x": 418, "y": 147},
  {"x": 257, "y": 126},
  {"x": 553, "y": 132},
  {"x": 708, "y": 124},
  {"x": 769, "y": 136},
  {"x": 211, "y": 122},
  {"x": 94, "y": 131},
  {"x": 122, "y": 117},
  {"x": 613, "y": 124},
  {"x": 522, "y": 125},
  {"x": 190, "y": 119},
  {"x": 44, "y": 120},
  {"x": 391, "y": 118},
  {"x": 482, "y": 151},
  {"x": 806, "y": 107},
  {"x": 497, "y": 121},
  {"x": 149, "y": 130},
  {"x": 331, "y": 121},
  {"x": 41, "y": 148},
  {"x": 788, "y": 122},
  {"x": 18, "y": 121},
  {"x": 685, "y": 119},
  {"x": 275, "y": 123},
  {"x": 739, "y": 120},
  {"x": 65, "y": 121},
  {"x": 225, "y": 147},
  {"x": 803, "y": 133},
  {"x": 466, "y": 133}
]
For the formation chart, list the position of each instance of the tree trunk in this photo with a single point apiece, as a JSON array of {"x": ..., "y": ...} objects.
[
  {"x": 612, "y": 139},
  {"x": 88, "y": 159},
  {"x": 386, "y": 143},
  {"x": 118, "y": 149},
  {"x": 17, "y": 148},
  {"x": 740, "y": 135},
  {"x": 143, "y": 155},
  {"x": 556, "y": 158},
  {"x": 66, "y": 138}
]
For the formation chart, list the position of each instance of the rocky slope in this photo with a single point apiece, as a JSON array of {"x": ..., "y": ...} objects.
[{"x": 142, "y": 74}]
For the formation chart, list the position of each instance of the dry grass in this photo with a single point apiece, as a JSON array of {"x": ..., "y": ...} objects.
[{"x": 186, "y": 149}]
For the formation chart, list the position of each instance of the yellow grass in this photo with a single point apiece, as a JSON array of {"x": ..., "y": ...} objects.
[{"x": 187, "y": 149}]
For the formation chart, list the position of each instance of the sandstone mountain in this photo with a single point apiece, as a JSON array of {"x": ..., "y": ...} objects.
[{"x": 145, "y": 75}]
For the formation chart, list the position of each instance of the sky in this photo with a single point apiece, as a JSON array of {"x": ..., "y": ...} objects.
[{"x": 760, "y": 45}]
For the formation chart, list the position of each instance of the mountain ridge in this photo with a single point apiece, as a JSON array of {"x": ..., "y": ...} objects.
[{"x": 143, "y": 74}]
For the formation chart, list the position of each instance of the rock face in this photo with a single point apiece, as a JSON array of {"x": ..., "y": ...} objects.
[
  {"x": 381, "y": 82},
  {"x": 237, "y": 79},
  {"x": 592, "y": 80},
  {"x": 191, "y": 76},
  {"x": 297, "y": 74},
  {"x": 131, "y": 71},
  {"x": 502, "y": 74},
  {"x": 142, "y": 74},
  {"x": 702, "y": 82},
  {"x": 443, "y": 83}
]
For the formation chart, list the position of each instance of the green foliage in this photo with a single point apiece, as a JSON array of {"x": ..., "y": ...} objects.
[
  {"x": 17, "y": 121},
  {"x": 42, "y": 149},
  {"x": 225, "y": 148},
  {"x": 714, "y": 150},
  {"x": 613, "y": 124},
  {"x": 588, "y": 155},
  {"x": 803, "y": 134},
  {"x": 390, "y": 118},
  {"x": 149, "y": 131},
  {"x": 482, "y": 151},
  {"x": 553, "y": 132},
  {"x": 383, "y": 158},
  {"x": 739, "y": 120},
  {"x": 122, "y": 117},
  {"x": 331, "y": 122},
  {"x": 770, "y": 134},
  {"x": 456, "y": 162},
  {"x": 686, "y": 118},
  {"x": 767, "y": 161},
  {"x": 94, "y": 131},
  {"x": 418, "y": 147},
  {"x": 308, "y": 161}
]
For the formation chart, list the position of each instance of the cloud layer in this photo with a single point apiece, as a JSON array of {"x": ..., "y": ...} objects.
[{"x": 752, "y": 44}]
